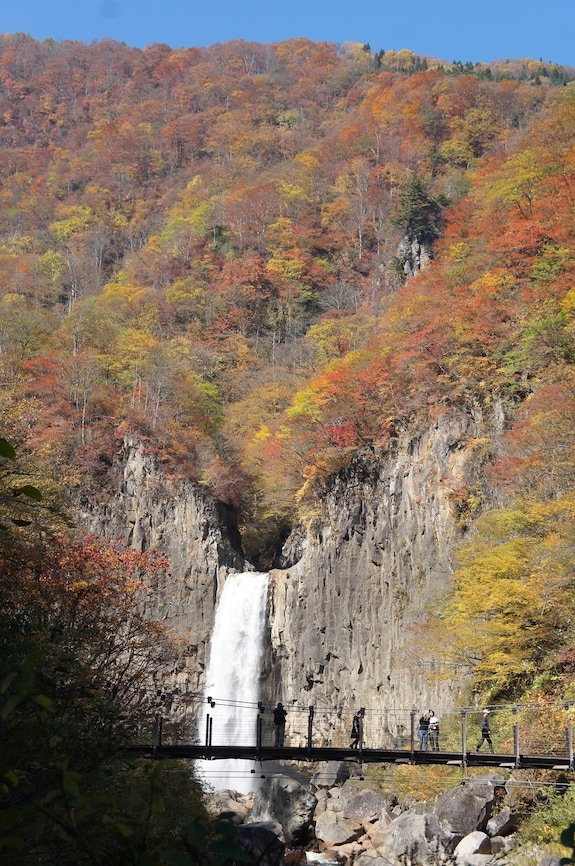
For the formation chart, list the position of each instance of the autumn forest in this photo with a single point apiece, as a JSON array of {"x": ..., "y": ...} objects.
[{"x": 267, "y": 260}]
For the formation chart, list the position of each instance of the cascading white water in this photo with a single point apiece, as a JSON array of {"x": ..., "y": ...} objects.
[{"x": 232, "y": 678}]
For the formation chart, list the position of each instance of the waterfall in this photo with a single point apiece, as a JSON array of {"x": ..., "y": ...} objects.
[{"x": 232, "y": 678}]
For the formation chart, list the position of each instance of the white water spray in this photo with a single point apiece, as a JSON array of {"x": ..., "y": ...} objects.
[{"x": 232, "y": 678}]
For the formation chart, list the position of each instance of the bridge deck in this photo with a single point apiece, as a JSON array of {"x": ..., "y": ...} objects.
[{"x": 365, "y": 756}]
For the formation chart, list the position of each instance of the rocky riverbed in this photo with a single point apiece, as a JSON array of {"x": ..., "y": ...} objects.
[{"x": 345, "y": 819}]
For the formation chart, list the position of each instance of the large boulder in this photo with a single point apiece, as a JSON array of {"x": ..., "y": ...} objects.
[
  {"x": 229, "y": 804},
  {"x": 474, "y": 843},
  {"x": 365, "y": 806},
  {"x": 352, "y": 787},
  {"x": 498, "y": 844},
  {"x": 468, "y": 806},
  {"x": 332, "y": 828},
  {"x": 502, "y": 823},
  {"x": 322, "y": 797},
  {"x": 284, "y": 801},
  {"x": 376, "y": 830},
  {"x": 260, "y": 844},
  {"x": 416, "y": 837},
  {"x": 329, "y": 774}
]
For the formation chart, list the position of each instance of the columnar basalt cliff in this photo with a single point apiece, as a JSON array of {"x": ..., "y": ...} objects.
[
  {"x": 148, "y": 511},
  {"x": 376, "y": 554},
  {"x": 377, "y": 550}
]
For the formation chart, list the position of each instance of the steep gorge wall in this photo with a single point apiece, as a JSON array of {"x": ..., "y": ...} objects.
[
  {"x": 378, "y": 549},
  {"x": 377, "y": 553},
  {"x": 148, "y": 511}
]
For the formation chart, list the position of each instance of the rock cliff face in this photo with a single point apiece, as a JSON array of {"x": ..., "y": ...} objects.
[
  {"x": 146, "y": 512},
  {"x": 377, "y": 550},
  {"x": 377, "y": 553},
  {"x": 413, "y": 256}
]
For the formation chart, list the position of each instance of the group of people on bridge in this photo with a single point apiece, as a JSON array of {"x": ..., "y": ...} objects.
[{"x": 428, "y": 734}]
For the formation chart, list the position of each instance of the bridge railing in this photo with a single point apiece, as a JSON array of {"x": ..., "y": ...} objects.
[{"x": 535, "y": 729}]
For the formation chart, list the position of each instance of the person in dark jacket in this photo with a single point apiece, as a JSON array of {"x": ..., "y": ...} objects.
[
  {"x": 485, "y": 732},
  {"x": 279, "y": 725},
  {"x": 357, "y": 729},
  {"x": 424, "y": 732}
]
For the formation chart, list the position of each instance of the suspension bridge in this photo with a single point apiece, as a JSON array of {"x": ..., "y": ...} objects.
[{"x": 525, "y": 736}]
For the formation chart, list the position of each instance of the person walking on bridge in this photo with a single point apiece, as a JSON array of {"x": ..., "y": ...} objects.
[
  {"x": 357, "y": 730},
  {"x": 279, "y": 725},
  {"x": 485, "y": 732}
]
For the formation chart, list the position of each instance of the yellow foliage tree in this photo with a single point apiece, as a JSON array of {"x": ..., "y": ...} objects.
[{"x": 508, "y": 613}]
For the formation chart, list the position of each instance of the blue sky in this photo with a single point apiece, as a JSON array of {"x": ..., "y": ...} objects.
[{"x": 483, "y": 31}]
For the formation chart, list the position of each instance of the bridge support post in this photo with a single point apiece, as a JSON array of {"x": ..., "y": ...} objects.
[
  {"x": 209, "y": 722},
  {"x": 310, "y": 728},
  {"x": 516, "y": 744},
  {"x": 464, "y": 739},
  {"x": 569, "y": 736},
  {"x": 259, "y": 732},
  {"x": 412, "y": 734}
]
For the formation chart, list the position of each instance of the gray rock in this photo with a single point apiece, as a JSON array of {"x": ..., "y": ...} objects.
[
  {"x": 235, "y": 807},
  {"x": 330, "y": 774},
  {"x": 147, "y": 510},
  {"x": 497, "y": 844},
  {"x": 476, "y": 842},
  {"x": 365, "y": 806},
  {"x": 502, "y": 824},
  {"x": 288, "y": 803},
  {"x": 416, "y": 838},
  {"x": 376, "y": 830},
  {"x": 385, "y": 819},
  {"x": 465, "y": 808},
  {"x": 261, "y": 844},
  {"x": 481, "y": 785},
  {"x": 352, "y": 787},
  {"x": 334, "y": 801},
  {"x": 332, "y": 829},
  {"x": 476, "y": 860},
  {"x": 413, "y": 255},
  {"x": 369, "y": 860},
  {"x": 321, "y": 805},
  {"x": 495, "y": 780}
]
